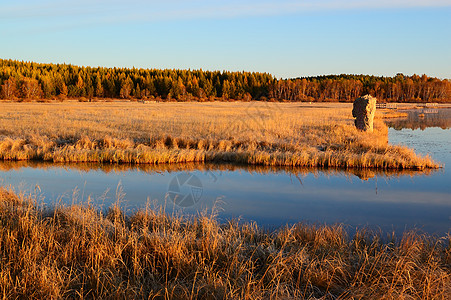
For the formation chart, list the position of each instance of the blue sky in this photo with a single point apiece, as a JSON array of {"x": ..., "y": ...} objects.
[{"x": 286, "y": 38}]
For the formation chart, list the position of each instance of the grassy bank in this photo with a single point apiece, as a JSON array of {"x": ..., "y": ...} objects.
[
  {"x": 78, "y": 251},
  {"x": 274, "y": 134}
]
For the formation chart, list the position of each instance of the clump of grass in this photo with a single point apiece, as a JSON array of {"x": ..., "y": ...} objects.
[{"x": 78, "y": 251}]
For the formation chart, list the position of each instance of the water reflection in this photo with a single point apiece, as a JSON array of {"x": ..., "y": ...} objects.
[
  {"x": 422, "y": 119},
  {"x": 270, "y": 196},
  {"x": 210, "y": 168}
]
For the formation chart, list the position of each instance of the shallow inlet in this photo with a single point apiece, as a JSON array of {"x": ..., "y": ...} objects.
[{"x": 390, "y": 201}]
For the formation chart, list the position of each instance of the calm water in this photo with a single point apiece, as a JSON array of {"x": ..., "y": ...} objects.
[{"x": 269, "y": 196}]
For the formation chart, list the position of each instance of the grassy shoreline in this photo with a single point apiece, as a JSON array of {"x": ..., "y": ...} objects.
[
  {"x": 272, "y": 134},
  {"x": 77, "y": 251}
]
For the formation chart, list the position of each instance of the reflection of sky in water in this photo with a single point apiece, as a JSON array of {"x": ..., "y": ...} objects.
[{"x": 272, "y": 199}]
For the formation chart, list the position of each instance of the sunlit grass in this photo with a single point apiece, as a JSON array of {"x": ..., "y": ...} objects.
[
  {"x": 276, "y": 134},
  {"x": 80, "y": 252}
]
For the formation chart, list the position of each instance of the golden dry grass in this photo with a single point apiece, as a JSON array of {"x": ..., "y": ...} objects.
[
  {"x": 260, "y": 133},
  {"x": 79, "y": 252}
]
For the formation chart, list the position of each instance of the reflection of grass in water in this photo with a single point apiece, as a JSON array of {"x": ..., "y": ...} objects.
[
  {"x": 77, "y": 252},
  {"x": 215, "y": 167},
  {"x": 284, "y": 134},
  {"x": 422, "y": 119}
]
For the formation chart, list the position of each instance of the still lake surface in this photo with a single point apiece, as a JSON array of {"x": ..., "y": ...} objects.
[{"x": 389, "y": 201}]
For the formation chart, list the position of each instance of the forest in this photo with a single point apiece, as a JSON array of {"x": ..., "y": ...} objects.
[{"x": 21, "y": 81}]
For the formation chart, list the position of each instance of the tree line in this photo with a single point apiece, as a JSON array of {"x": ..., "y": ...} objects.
[
  {"x": 346, "y": 88},
  {"x": 29, "y": 80}
]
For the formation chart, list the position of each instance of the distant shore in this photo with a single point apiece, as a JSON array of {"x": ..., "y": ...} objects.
[{"x": 29, "y": 80}]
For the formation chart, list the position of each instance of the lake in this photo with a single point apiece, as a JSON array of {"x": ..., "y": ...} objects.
[{"x": 272, "y": 197}]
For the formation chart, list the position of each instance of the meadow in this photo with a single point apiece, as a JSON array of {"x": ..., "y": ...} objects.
[{"x": 254, "y": 133}]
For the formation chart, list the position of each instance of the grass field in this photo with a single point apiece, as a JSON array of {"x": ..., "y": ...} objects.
[
  {"x": 259, "y": 133},
  {"x": 79, "y": 252}
]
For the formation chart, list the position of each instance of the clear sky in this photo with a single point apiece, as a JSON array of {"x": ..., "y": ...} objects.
[{"x": 286, "y": 38}]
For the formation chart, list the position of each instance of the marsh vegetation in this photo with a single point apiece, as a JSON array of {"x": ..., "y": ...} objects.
[
  {"x": 260, "y": 133},
  {"x": 79, "y": 251}
]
